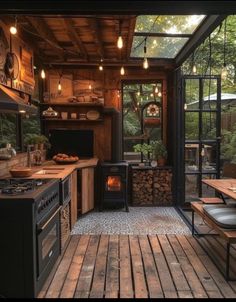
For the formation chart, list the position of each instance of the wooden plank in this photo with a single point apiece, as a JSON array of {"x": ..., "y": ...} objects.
[
  {"x": 223, "y": 285},
  {"x": 97, "y": 35},
  {"x": 69, "y": 286},
  {"x": 130, "y": 36},
  {"x": 61, "y": 273},
  {"x": 153, "y": 281},
  {"x": 200, "y": 269},
  {"x": 112, "y": 274},
  {"x": 98, "y": 285},
  {"x": 140, "y": 288},
  {"x": 126, "y": 286},
  {"x": 174, "y": 267},
  {"x": 168, "y": 286},
  {"x": 86, "y": 274},
  {"x": 192, "y": 278},
  {"x": 87, "y": 189}
]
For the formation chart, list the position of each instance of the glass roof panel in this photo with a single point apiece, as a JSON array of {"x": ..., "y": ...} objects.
[
  {"x": 168, "y": 24},
  {"x": 157, "y": 47}
]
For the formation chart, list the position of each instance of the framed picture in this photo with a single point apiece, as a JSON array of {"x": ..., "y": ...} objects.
[{"x": 27, "y": 68}]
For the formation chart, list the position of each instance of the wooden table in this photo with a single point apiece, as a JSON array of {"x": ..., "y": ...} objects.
[{"x": 222, "y": 186}]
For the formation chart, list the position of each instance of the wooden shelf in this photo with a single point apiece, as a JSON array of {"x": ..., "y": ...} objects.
[
  {"x": 81, "y": 104},
  {"x": 70, "y": 120}
]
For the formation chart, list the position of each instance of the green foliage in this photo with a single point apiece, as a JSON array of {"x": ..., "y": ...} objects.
[
  {"x": 159, "y": 149},
  {"x": 144, "y": 148},
  {"x": 32, "y": 139},
  {"x": 228, "y": 145}
]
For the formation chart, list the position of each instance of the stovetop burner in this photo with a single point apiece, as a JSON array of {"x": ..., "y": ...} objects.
[{"x": 13, "y": 186}]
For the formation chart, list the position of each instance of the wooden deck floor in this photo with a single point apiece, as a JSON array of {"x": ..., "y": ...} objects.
[{"x": 170, "y": 266}]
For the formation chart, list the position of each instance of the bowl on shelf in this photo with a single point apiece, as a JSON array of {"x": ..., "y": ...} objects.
[
  {"x": 21, "y": 172},
  {"x": 93, "y": 115}
]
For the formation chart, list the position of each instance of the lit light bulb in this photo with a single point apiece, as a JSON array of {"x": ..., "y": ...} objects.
[
  {"x": 100, "y": 67},
  {"x": 203, "y": 152},
  {"x": 13, "y": 30},
  {"x": 59, "y": 86},
  {"x": 159, "y": 94},
  {"x": 151, "y": 95},
  {"x": 90, "y": 86},
  {"x": 194, "y": 69},
  {"x": 122, "y": 71},
  {"x": 43, "y": 75},
  {"x": 120, "y": 42},
  {"x": 145, "y": 63},
  {"x": 185, "y": 106},
  {"x": 156, "y": 89},
  {"x": 138, "y": 93},
  {"x": 224, "y": 73}
]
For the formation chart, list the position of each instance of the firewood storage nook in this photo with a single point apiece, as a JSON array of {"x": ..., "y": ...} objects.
[{"x": 152, "y": 186}]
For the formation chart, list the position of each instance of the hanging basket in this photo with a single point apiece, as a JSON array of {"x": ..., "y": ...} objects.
[{"x": 152, "y": 122}]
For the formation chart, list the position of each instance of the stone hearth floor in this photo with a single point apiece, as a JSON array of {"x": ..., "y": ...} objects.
[{"x": 138, "y": 221}]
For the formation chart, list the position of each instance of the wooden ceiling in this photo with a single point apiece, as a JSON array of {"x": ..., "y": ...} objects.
[{"x": 79, "y": 40}]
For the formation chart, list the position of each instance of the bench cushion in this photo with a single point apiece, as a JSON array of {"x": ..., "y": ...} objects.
[{"x": 224, "y": 216}]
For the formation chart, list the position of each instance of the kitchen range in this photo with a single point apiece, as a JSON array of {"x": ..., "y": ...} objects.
[{"x": 30, "y": 234}]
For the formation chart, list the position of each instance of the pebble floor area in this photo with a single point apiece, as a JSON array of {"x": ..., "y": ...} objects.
[{"x": 138, "y": 221}]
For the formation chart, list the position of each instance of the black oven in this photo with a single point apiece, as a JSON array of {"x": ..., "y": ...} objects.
[{"x": 48, "y": 244}]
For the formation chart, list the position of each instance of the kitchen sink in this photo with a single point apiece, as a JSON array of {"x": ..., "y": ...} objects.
[{"x": 49, "y": 171}]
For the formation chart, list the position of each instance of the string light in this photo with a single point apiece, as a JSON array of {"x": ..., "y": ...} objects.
[
  {"x": 122, "y": 71},
  {"x": 194, "y": 69},
  {"x": 156, "y": 89},
  {"x": 120, "y": 40},
  {"x": 138, "y": 93},
  {"x": 145, "y": 60},
  {"x": 185, "y": 106},
  {"x": 13, "y": 28},
  {"x": 90, "y": 86},
  {"x": 59, "y": 85},
  {"x": 159, "y": 94},
  {"x": 43, "y": 75},
  {"x": 224, "y": 71}
]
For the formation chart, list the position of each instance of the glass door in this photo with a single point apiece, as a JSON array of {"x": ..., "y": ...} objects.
[{"x": 201, "y": 144}]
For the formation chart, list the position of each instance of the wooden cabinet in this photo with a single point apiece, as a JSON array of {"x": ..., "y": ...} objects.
[
  {"x": 73, "y": 198},
  {"x": 87, "y": 193}
]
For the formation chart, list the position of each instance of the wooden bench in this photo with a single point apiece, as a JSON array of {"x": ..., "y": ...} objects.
[{"x": 227, "y": 234}]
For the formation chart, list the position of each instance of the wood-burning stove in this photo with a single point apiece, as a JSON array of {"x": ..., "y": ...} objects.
[{"x": 114, "y": 184}]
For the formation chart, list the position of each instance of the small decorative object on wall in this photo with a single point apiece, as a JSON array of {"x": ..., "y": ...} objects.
[
  {"x": 11, "y": 67},
  {"x": 151, "y": 114},
  {"x": 153, "y": 110},
  {"x": 27, "y": 68}
]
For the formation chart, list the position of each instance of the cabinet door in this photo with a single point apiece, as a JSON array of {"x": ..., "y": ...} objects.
[
  {"x": 87, "y": 189},
  {"x": 73, "y": 198}
]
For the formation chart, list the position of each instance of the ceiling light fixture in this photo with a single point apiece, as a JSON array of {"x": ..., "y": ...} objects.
[
  {"x": 145, "y": 60},
  {"x": 43, "y": 75},
  {"x": 13, "y": 28},
  {"x": 224, "y": 71},
  {"x": 120, "y": 40},
  {"x": 122, "y": 70}
]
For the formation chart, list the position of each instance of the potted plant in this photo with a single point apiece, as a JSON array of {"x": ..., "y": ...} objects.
[
  {"x": 159, "y": 152},
  {"x": 145, "y": 149},
  {"x": 42, "y": 142}
]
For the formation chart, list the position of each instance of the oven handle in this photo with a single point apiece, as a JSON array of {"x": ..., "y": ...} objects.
[{"x": 47, "y": 223}]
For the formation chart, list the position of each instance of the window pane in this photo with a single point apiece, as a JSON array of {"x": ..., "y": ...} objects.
[
  {"x": 191, "y": 187},
  {"x": 30, "y": 125},
  {"x": 208, "y": 125},
  {"x": 8, "y": 129},
  {"x": 209, "y": 93},
  {"x": 168, "y": 24},
  {"x": 191, "y": 125},
  {"x": 157, "y": 47},
  {"x": 207, "y": 191},
  {"x": 208, "y": 154},
  {"x": 192, "y": 93}
]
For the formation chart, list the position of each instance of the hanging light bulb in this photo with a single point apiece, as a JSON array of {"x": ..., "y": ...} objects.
[
  {"x": 100, "y": 66},
  {"x": 145, "y": 60},
  {"x": 59, "y": 85},
  {"x": 90, "y": 86},
  {"x": 13, "y": 28},
  {"x": 138, "y": 93},
  {"x": 122, "y": 71},
  {"x": 43, "y": 75},
  {"x": 224, "y": 71},
  {"x": 120, "y": 40},
  {"x": 185, "y": 106},
  {"x": 156, "y": 89},
  {"x": 159, "y": 94},
  {"x": 194, "y": 69}
]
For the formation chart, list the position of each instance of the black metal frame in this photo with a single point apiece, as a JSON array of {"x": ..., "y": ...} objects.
[
  {"x": 228, "y": 245},
  {"x": 201, "y": 141}
]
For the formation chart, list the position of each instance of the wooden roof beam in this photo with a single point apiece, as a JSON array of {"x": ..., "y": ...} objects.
[
  {"x": 74, "y": 37},
  {"x": 130, "y": 36},
  {"x": 41, "y": 27},
  {"x": 97, "y": 35}
]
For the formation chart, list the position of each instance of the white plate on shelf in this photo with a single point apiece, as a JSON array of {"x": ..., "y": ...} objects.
[{"x": 93, "y": 115}]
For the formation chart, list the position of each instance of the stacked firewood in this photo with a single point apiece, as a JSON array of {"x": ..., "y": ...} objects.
[
  {"x": 152, "y": 186},
  {"x": 142, "y": 187},
  {"x": 162, "y": 193}
]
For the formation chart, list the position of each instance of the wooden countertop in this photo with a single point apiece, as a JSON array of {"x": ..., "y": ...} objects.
[{"x": 53, "y": 170}]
